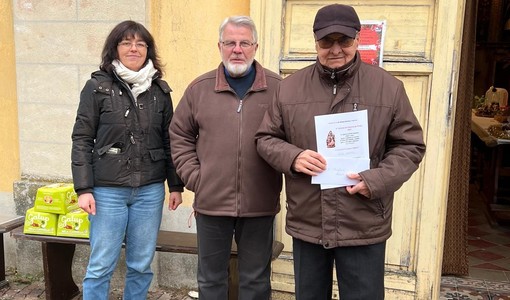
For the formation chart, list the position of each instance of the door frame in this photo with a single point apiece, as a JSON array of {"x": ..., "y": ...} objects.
[{"x": 444, "y": 65}]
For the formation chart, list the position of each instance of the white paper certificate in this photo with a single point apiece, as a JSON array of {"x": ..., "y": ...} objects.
[{"x": 342, "y": 139}]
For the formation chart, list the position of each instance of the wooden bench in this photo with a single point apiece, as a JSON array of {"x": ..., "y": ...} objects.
[
  {"x": 7, "y": 223},
  {"x": 58, "y": 252}
]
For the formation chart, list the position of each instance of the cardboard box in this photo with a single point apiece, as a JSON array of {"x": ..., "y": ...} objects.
[
  {"x": 74, "y": 224},
  {"x": 42, "y": 223},
  {"x": 57, "y": 198}
]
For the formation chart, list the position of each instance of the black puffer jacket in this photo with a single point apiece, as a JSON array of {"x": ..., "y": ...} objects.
[{"x": 108, "y": 119}]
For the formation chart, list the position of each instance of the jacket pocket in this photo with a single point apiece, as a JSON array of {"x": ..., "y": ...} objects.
[
  {"x": 381, "y": 207},
  {"x": 113, "y": 148},
  {"x": 157, "y": 154},
  {"x": 368, "y": 208},
  {"x": 158, "y": 164},
  {"x": 110, "y": 168}
]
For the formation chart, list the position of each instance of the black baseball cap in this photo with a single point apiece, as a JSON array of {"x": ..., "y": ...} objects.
[{"x": 336, "y": 18}]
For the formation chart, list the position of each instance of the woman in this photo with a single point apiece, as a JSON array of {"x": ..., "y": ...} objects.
[{"x": 121, "y": 158}]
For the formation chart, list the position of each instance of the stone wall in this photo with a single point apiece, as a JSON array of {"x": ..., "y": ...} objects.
[{"x": 58, "y": 44}]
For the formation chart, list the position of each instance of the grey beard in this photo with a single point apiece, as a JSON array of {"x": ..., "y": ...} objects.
[{"x": 236, "y": 70}]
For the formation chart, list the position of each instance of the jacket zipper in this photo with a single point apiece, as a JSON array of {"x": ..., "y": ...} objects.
[
  {"x": 238, "y": 202},
  {"x": 126, "y": 86},
  {"x": 240, "y": 105},
  {"x": 131, "y": 138},
  {"x": 334, "y": 86},
  {"x": 239, "y": 111}
]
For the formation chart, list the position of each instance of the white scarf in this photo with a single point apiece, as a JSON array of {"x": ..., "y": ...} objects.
[{"x": 140, "y": 81}]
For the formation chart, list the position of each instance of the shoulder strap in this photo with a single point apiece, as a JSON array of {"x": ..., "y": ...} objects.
[
  {"x": 104, "y": 83},
  {"x": 163, "y": 85}
]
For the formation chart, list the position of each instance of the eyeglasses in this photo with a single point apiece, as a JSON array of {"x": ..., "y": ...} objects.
[
  {"x": 328, "y": 42},
  {"x": 128, "y": 45},
  {"x": 233, "y": 44}
]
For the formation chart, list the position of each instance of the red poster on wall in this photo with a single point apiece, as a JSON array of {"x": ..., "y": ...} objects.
[{"x": 372, "y": 41}]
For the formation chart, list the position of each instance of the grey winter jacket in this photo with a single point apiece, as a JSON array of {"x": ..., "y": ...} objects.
[{"x": 332, "y": 217}]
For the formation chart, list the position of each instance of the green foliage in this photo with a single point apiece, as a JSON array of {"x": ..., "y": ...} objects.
[{"x": 478, "y": 101}]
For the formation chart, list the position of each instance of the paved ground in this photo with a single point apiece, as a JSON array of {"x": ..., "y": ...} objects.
[{"x": 33, "y": 288}]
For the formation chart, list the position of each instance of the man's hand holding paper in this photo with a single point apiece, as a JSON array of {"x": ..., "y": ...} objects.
[
  {"x": 342, "y": 139},
  {"x": 310, "y": 163}
]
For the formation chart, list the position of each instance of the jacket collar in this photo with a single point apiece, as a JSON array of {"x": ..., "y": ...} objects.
[
  {"x": 340, "y": 75},
  {"x": 259, "y": 84}
]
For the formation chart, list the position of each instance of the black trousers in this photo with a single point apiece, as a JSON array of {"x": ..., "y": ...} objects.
[
  {"x": 359, "y": 270},
  {"x": 254, "y": 239}
]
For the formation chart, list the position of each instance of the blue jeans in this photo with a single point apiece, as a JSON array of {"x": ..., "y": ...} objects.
[{"x": 130, "y": 215}]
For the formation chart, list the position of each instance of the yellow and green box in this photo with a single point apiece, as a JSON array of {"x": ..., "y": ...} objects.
[
  {"x": 57, "y": 198},
  {"x": 42, "y": 223},
  {"x": 74, "y": 224}
]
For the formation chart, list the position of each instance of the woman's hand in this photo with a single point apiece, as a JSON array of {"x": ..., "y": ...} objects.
[{"x": 87, "y": 202}]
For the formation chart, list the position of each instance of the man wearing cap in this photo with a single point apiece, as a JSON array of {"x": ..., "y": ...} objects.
[{"x": 345, "y": 227}]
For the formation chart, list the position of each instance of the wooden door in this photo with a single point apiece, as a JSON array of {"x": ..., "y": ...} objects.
[{"x": 421, "y": 49}]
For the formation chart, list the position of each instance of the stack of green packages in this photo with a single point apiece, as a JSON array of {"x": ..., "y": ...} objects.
[{"x": 56, "y": 212}]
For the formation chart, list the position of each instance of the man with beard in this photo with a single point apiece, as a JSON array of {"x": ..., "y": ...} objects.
[{"x": 236, "y": 192}]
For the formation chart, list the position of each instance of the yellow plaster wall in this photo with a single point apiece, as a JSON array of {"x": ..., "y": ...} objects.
[
  {"x": 9, "y": 143},
  {"x": 186, "y": 34}
]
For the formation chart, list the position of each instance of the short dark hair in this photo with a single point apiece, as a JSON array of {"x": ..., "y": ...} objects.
[{"x": 126, "y": 30}]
